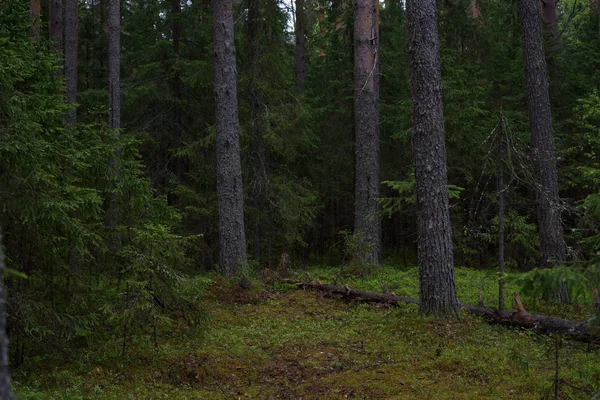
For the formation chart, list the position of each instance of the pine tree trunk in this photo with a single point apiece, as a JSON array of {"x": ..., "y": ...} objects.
[
  {"x": 501, "y": 210},
  {"x": 300, "y": 56},
  {"x": 114, "y": 63},
  {"x": 71, "y": 11},
  {"x": 257, "y": 156},
  {"x": 367, "y": 225},
  {"x": 177, "y": 85},
  {"x": 114, "y": 115},
  {"x": 435, "y": 255},
  {"x": 540, "y": 124},
  {"x": 35, "y": 8},
  {"x": 549, "y": 15},
  {"x": 55, "y": 28},
  {"x": 6, "y": 392},
  {"x": 229, "y": 172}
]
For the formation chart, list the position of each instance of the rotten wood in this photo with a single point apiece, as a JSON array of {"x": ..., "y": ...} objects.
[{"x": 519, "y": 318}]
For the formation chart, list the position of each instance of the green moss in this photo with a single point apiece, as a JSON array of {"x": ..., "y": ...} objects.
[{"x": 300, "y": 344}]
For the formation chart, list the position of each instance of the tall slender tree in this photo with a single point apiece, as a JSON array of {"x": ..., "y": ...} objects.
[
  {"x": 114, "y": 114},
  {"x": 435, "y": 254},
  {"x": 35, "y": 8},
  {"x": 232, "y": 239},
  {"x": 549, "y": 14},
  {"x": 6, "y": 392},
  {"x": 300, "y": 50},
  {"x": 55, "y": 27},
  {"x": 114, "y": 62},
  {"x": 542, "y": 142},
  {"x": 71, "y": 12},
  {"x": 367, "y": 224},
  {"x": 257, "y": 156}
]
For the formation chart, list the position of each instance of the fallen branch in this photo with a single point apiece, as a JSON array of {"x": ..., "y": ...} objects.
[{"x": 580, "y": 331}]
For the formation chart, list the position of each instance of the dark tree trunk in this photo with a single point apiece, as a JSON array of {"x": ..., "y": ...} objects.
[
  {"x": 549, "y": 15},
  {"x": 71, "y": 11},
  {"x": 114, "y": 115},
  {"x": 6, "y": 392},
  {"x": 501, "y": 207},
  {"x": 367, "y": 225},
  {"x": 257, "y": 156},
  {"x": 35, "y": 8},
  {"x": 435, "y": 256},
  {"x": 540, "y": 124},
  {"x": 229, "y": 172},
  {"x": 55, "y": 28},
  {"x": 476, "y": 12},
  {"x": 177, "y": 85},
  {"x": 300, "y": 56},
  {"x": 114, "y": 62}
]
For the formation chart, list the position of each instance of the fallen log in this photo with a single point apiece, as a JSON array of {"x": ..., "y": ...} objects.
[{"x": 579, "y": 331}]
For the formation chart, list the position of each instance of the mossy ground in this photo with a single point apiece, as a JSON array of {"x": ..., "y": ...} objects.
[{"x": 283, "y": 343}]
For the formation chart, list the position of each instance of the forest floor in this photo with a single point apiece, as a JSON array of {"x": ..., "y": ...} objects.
[{"x": 284, "y": 343}]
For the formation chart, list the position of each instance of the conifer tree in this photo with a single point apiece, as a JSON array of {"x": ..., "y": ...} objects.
[
  {"x": 437, "y": 291},
  {"x": 300, "y": 51},
  {"x": 232, "y": 239},
  {"x": 71, "y": 14},
  {"x": 542, "y": 141},
  {"x": 367, "y": 224},
  {"x": 6, "y": 392},
  {"x": 55, "y": 26}
]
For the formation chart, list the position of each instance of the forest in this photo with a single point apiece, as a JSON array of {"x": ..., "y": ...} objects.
[{"x": 297, "y": 199}]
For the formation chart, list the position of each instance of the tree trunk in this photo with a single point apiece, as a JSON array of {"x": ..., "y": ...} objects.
[
  {"x": 177, "y": 86},
  {"x": 71, "y": 11},
  {"x": 476, "y": 12},
  {"x": 55, "y": 28},
  {"x": 540, "y": 124},
  {"x": 501, "y": 208},
  {"x": 257, "y": 156},
  {"x": 367, "y": 225},
  {"x": 549, "y": 15},
  {"x": 114, "y": 115},
  {"x": 300, "y": 56},
  {"x": 114, "y": 63},
  {"x": 435, "y": 256},
  {"x": 6, "y": 392},
  {"x": 35, "y": 8},
  {"x": 229, "y": 172}
]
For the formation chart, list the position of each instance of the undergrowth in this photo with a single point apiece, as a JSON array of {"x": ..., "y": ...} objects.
[{"x": 283, "y": 343}]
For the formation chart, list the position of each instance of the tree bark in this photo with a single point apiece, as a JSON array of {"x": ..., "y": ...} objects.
[
  {"x": 55, "y": 28},
  {"x": 549, "y": 15},
  {"x": 35, "y": 8},
  {"x": 575, "y": 330},
  {"x": 177, "y": 85},
  {"x": 540, "y": 124},
  {"x": 501, "y": 208},
  {"x": 229, "y": 172},
  {"x": 257, "y": 156},
  {"x": 114, "y": 116},
  {"x": 435, "y": 254},
  {"x": 367, "y": 224},
  {"x": 300, "y": 55},
  {"x": 71, "y": 13},
  {"x": 6, "y": 392},
  {"x": 114, "y": 63}
]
